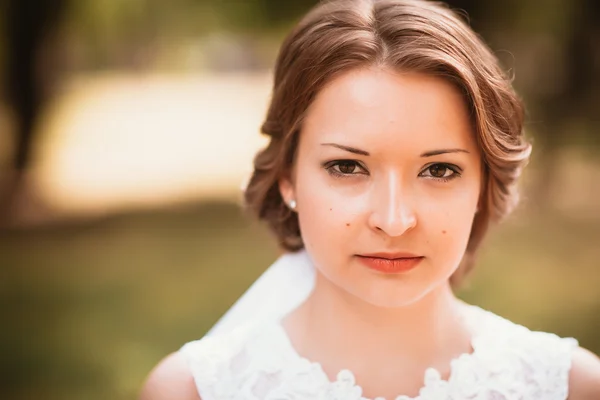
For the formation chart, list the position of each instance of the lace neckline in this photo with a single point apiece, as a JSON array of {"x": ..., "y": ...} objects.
[{"x": 345, "y": 382}]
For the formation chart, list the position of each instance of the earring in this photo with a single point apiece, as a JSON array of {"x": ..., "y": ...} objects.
[{"x": 293, "y": 204}]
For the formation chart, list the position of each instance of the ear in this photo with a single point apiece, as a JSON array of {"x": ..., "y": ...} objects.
[{"x": 286, "y": 189}]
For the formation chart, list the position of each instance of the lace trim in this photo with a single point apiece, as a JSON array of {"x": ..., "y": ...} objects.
[
  {"x": 345, "y": 382},
  {"x": 434, "y": 386},
  {"x": 508, "y": 362}
]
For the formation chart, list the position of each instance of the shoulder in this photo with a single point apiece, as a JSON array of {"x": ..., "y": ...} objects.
[
  {"x": 544, "y": 360},
  {"x": 208, "y": 355},
  {"x": 584, "y": 378},
  {"x": 170, "y": 379},
  {"x": 200, "y": 369}
]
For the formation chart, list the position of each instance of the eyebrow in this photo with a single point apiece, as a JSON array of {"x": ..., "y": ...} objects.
[
  {"x": 442, "y": 151},
  {"x": 348, "y": 148},
  {"x": 430, "y": 153}
]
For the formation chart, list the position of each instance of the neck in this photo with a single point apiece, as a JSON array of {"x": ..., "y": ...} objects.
[{"x": 333, "y": 324}]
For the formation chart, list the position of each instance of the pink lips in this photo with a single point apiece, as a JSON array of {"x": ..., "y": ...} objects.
[{"x": 391, "y": 263}]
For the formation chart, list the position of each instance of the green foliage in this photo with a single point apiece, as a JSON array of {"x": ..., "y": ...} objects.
[{"x": 110, "y": 33}]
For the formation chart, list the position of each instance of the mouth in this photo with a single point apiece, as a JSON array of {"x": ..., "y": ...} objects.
[{"x": 390, "y": 263}]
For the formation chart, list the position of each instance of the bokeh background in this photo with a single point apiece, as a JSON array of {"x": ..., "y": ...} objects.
[{"x": 127, "y": 128}]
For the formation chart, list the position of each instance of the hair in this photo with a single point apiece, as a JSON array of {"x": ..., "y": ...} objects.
[{"x": 407, "y": 35}]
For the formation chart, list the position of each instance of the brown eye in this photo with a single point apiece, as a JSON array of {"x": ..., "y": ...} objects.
[
  {"x": 438, "y": 170},
  {"x": 346, "y": 167},
  {"x": 442, "y": 171}
]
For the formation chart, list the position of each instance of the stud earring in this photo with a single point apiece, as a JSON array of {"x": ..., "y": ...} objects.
[{"x": 293, "y": 204}]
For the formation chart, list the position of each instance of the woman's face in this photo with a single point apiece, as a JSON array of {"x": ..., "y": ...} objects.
[{"x": 387, "y": 180}]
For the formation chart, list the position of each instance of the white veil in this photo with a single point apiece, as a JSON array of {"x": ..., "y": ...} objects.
[{"x": 280, "y": 289}]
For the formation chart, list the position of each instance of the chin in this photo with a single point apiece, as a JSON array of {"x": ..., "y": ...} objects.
[
  {"x": 393, "y": 301},
  {"x": 394, "y": 294}
]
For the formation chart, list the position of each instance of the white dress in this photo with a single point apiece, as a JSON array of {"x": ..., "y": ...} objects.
[{"x": 258, "y": 362}]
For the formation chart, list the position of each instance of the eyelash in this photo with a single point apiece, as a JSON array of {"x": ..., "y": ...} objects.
[{"x": 329, "y": 166}]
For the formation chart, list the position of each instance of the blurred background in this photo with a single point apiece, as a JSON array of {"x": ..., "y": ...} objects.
[{"x": 128, "y": 126}]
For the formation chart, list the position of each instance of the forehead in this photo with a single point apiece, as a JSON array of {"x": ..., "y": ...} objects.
[{"x": 380, "y": 108}]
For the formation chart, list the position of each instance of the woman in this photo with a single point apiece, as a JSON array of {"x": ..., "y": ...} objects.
[{"x": 395, "y": 141}]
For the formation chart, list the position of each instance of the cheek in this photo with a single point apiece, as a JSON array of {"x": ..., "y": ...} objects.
[
  {"x": 454, "y": 230},
  {"x": 448, "y": 210},
  {"x": 448, "y": 224},
  {"x": 324, "y": 220},
  {"x": 326, "y": 216}
]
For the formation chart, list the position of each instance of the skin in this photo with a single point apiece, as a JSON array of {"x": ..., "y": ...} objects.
[
  {"x": 401, "y": 197},
  {"x": 409, "y": 194},
  {"x": 390, "y": 201}
]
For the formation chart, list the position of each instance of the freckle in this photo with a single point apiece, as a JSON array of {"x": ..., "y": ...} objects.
[
  {"x": 347, "y": 224},
  {"x": 330, "y": 209},
  {"x": 444, "y": 232}
]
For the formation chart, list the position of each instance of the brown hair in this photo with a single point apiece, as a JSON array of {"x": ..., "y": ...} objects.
[{"x": 408, "y": 35}]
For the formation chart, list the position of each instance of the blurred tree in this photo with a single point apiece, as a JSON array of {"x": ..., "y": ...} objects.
[
  {"x": 286, "y": 11},
  {"x": 570, "y": 114},
  {"x": 554, "y": 48},
  {"x": 27, "y": 24}
]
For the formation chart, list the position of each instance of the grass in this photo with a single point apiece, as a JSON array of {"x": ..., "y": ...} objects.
[{"x": 90, "y": 308}]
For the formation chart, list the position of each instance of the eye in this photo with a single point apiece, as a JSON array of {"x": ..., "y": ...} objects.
[
  {"x": 441, "y": 171},
  {"x": 345, "y": 168}
]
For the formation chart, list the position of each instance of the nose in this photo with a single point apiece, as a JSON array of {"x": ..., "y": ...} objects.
[{"x": 391, "y": 210}]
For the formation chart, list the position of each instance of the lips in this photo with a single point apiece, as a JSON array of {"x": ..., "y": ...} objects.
[
  {"x": 390, "y": 256},
  {"x": 391, "y": 263}
]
